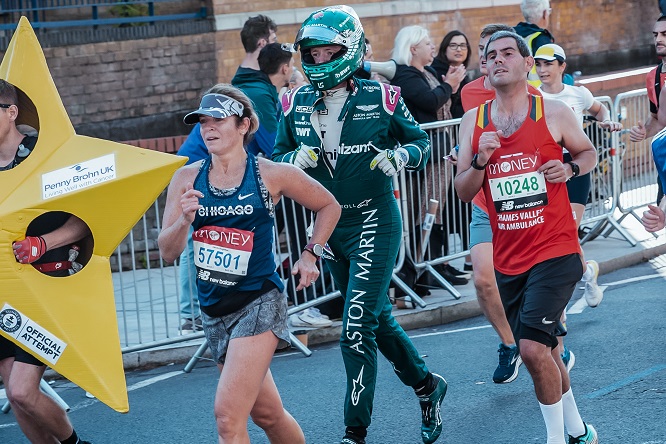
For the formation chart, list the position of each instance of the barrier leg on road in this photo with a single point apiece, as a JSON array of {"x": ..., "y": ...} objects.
[
  {"x": 404, "y": 287},
  {"x": 299, "y": 345},
  {"x": 196, "y": 357},
  {"x": 443, "y": 282},
  {"x": 46, "y": 388},
  {"x": 618, "y": 227}
]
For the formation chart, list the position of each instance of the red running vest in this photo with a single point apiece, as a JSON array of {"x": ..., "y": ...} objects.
[{"x": 531, "y": 218}]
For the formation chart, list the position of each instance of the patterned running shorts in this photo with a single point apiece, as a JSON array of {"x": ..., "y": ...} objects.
[{"x": 267, "y": 312}]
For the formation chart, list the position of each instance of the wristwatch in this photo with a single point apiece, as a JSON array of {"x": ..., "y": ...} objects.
[
  {"x": 475, "y": 165},
  {"x": 575, "y": 171},
  {"x": 315, "y": 249}
]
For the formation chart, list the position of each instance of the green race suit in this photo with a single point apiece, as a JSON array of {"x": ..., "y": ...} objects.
[{"x": 367, "y": 238}]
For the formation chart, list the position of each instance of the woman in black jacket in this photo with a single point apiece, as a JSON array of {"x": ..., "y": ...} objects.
[
  {"x": 426, "y": 93},
  {"x": 454, "y": 51}
]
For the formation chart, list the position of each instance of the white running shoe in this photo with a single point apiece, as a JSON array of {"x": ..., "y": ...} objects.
[
  {"x": 310, "y": 317},
  {"x": 593, "y": 293}
]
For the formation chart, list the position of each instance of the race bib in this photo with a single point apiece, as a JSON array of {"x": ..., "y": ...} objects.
[
  {"x": 519, "y": 192},
  {"x": 222, "y": 255}
]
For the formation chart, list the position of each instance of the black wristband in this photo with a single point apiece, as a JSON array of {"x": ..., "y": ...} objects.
[{"x": 475, "y": 165}]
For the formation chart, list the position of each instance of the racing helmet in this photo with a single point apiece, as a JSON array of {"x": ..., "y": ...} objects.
[{"x": 334, "y": 25}]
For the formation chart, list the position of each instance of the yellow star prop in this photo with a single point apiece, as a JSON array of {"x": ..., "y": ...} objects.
[{"x": 69, "y": 323}]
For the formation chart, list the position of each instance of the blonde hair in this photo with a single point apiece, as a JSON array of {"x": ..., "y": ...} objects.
[
  {"x": 248, "y": 109},
  {"x": 404, "y": 40}
]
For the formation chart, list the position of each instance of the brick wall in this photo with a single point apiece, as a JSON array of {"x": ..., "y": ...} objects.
[
  {"x": 598, "y": 35},
  {"x": 141, "y": 88}
]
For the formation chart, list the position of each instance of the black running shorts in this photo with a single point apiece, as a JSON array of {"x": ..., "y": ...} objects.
[
  {"x": 8, "y": 349},
  {"x": 534, "y": 301}
]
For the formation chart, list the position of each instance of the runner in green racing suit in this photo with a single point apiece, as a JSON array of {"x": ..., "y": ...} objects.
[{"x": 372, "y": 121}]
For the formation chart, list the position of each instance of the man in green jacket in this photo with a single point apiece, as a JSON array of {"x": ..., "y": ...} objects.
[{"x": 353, "y": 136}]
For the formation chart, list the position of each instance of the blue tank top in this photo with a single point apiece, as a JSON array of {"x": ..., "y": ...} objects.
[{"x": 233, "y": 238}]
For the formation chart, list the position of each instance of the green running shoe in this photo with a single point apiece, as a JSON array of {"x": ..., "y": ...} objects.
[
  {"x": 589, "y": 437},
  {"x": 431, "y": 418},
  {"x": 568, "y": 358}
]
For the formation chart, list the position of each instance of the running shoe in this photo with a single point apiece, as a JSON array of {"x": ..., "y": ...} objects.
[
  {"x": 593, "y": 293},
  {"x": 348, "y": 440},
  {"x": 191, "y": 326},
  {"x": 310, "y": 317},
  {"x": 431, "y": 417},
  {"x": 509, "y": 362},
  {"x": 589, "y": 437},
  {"x": 568, "y": 358}
]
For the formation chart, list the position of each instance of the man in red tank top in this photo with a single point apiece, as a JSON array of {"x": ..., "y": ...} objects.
[
  {"x": 510, "y": 148},
  {"x": 473, "y": 95}
]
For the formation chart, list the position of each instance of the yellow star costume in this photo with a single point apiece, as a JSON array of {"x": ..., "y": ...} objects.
[{"x": 69, "y": 323}]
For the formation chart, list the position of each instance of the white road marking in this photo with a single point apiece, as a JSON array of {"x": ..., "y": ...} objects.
[
  {"x": 577, "y": 307},
  {"x": 636, "y": 279},
  {"x": 153, "y": 380},
  {"x": 459, "y": 330}
]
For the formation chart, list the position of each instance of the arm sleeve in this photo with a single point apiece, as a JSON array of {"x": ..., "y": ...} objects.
[
  {"x": 412, "y": 138},
  {"x": 417, "y": 91},
  {"x": 285, "y": 143}
]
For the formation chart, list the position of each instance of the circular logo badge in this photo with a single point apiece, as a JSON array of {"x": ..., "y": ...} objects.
[
  {"x": 10, "y": 320},
  {"x": 505, "y": 167},
  {"x": 214, "y": 235}
]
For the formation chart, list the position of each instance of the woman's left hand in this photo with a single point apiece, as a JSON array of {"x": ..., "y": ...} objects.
[{"x": 306, "y": 267}]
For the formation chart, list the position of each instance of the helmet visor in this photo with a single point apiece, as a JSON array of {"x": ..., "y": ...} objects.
[{"x": 322, "y": 35}]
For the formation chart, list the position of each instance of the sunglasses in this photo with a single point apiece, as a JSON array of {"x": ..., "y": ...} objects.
[
  {"x": 288, "y": 47},
  {"x": 5, "y": 105}
]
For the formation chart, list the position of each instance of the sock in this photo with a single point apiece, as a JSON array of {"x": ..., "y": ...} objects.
[
  {"x": 554, "y": 419},
  {"x": 589, "y": 274},
  {"x": 572, "y": 420},
  {"x": 73, "y": 439},
  {"x": 427, "y": 385}
]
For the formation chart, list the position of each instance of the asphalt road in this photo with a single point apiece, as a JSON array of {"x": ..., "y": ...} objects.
[{"x": 619, "y": 382}]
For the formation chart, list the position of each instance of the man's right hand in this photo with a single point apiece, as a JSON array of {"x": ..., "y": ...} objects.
[
  {"x": 306, "y": 157},
  {"x": 488, "y": 143},
  {"x": 29, "y": 249},
  {"x": 638, "y": 133}
]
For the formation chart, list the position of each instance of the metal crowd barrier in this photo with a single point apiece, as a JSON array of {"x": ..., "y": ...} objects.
[
  {"x": 605, "y": 178},
  {"x": 637, "y": 177},
  {"x": 433, "y": 205},
  {"x": 148, "y": 293}
]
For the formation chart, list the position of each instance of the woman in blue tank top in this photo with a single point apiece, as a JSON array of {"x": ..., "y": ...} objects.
[{"x": 228, "y": 199}]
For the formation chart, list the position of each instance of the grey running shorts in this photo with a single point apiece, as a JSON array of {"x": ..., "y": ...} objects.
[
  {"x": 479, "y": 230},
  {"x": 267, "y": 312}
]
